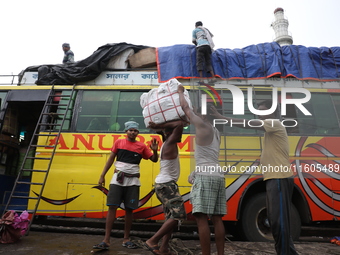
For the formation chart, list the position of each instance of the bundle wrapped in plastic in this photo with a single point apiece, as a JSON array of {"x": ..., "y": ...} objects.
[
  {"x": 162, "y": 104},
  {"x": 13, "y": 226}
]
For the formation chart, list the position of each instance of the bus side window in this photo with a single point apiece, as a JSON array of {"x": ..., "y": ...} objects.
[
  {"x": 318, "y": 123},
  {"x": 62, "y": 109},
  {"x": 97, "y": 111},
  {"x": 290, "y": 119},
  {"x": 128, "y": 108},
  {"x": 227, "y": 110},
  {"x": 58, "y": 110},
  {"x": 336, "y": 104},
  {"x": 107, "y": 111}
]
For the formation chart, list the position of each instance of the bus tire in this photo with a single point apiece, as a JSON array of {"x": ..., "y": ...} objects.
[{"x": 254, "y": 224}]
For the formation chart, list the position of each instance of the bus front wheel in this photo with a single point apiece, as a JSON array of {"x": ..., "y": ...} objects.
[{"x": 255, "y": 224}]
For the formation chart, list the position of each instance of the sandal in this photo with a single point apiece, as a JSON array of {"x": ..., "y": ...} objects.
[
  {"x": 130, "y": 245},
  {"x": 101, "y": 246},
  {"x": 154, "y": 249}
]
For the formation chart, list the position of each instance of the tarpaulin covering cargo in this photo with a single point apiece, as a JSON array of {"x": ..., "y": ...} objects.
[
  {"x": 259, "y": 61},
  {"x": 83, "y": 70},
  {"x": 162, "y": 104}
]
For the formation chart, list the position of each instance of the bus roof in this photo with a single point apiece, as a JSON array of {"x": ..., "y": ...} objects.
[{"x": 265, "y": 64}]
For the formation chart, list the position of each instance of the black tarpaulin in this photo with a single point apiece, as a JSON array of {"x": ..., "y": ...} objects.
[{"x": 83, "y": 70}]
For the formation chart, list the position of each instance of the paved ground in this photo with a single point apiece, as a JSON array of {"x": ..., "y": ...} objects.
[
  {"x": 64, "y": 236},
  {"x": 53, "y": 243}
]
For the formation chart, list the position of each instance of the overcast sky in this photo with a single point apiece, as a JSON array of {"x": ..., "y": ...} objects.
[{"x": 32, "y": 31}]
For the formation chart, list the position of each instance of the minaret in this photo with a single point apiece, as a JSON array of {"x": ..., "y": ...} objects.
[{"x": 280, "y": 26}]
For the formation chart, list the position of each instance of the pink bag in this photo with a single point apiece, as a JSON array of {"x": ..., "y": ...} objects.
[{"x": 8, "y": 234}]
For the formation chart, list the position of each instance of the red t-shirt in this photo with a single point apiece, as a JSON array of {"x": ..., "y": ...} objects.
[{"x": 130, "y": 152}]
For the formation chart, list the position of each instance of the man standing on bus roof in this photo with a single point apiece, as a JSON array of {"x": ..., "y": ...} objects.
[
  {"x": 125, "y": 183},
  {"x": 202, "y": 38},
  {"x": 207, "y": 195},
  {"x": 68, "y": 54},
  {"x": 166, "y": 187},
  {"x": 279, "y": 184}
]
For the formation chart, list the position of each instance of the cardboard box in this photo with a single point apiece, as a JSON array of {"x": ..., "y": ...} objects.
[{"x": 143, "y": 58}]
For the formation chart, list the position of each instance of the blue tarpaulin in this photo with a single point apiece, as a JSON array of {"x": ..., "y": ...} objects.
[{"x": 259, "y": 61}]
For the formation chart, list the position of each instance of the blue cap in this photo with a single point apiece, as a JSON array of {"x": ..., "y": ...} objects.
[{"x": 131, "y": 124}]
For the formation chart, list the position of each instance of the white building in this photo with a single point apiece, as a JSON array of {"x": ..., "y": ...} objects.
[{"x": 280, "y": 26}]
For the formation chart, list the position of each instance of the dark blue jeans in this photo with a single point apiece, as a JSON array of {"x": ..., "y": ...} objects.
[
  {"x": 279, "y": 197},
  {"x": 203, "y": 56}
]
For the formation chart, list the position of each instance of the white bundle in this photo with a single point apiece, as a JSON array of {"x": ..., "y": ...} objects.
[{"x": 162, "y": 104}]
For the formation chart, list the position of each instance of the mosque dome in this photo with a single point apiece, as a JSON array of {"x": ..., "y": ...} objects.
[{"x": 279, "y": 9}]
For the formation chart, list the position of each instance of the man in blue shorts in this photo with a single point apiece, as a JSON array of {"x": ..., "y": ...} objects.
[{"x": 125, "y": 183}]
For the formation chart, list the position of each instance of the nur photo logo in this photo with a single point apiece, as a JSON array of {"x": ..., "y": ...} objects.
[{"x": 238, "y": 101}]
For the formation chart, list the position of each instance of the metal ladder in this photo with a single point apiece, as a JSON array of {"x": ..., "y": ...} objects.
[{"x": 47, "y": 124}]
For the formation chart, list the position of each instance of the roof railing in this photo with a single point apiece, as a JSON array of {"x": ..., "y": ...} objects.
[{"x": 9, "y": 79}]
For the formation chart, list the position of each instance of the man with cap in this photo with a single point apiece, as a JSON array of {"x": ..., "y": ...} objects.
[
  {"x": 68, "y": 54},
  {"x": 125, "y": 183}
]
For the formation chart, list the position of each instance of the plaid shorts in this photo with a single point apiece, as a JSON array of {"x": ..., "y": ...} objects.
[
  {"x": 172, "y": 201},
  {"x": 208, "y": 195}
]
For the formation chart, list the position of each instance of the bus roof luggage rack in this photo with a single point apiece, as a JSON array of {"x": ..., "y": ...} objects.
[{"x": 47, "y": 119}]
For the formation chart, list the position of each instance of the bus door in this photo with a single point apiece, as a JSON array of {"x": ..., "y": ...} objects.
[{"x": 19, "y": 115}]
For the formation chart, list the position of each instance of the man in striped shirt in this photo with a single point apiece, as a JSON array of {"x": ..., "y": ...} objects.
[{"x": 125, "y": 183}]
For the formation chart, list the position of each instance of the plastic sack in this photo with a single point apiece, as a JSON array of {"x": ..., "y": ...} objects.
[
  {"x": 13, "y": 226},
  {"x": 8, "y": 234},
  {"x": 162, "y": 104},
  {"x": 22, "y": 222}
]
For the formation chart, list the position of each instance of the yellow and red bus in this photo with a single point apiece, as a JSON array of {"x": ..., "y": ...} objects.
[{"x": 95, "y": 122}]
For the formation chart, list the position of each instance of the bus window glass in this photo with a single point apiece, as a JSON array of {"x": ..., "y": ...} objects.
[
  {"x": 62, "y": 109},
  {"x": 129, "y": 109},
  {"x": 336, "y": 104},
  {"x": 290, "y": 119},
  {"x": 227, "y": 110},
  {"x": 258, "y": 96},
  {"x": 97, "y": 111},
  {"x": 109, "y": 110},
  {"x": 2, "y": 97},
  {"x": 318, "y": 123}
]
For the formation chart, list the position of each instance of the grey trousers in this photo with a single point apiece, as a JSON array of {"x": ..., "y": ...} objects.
[{"x": 279, "y": 196}]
